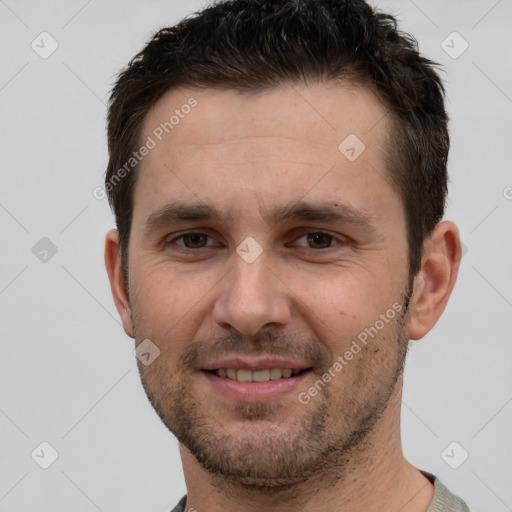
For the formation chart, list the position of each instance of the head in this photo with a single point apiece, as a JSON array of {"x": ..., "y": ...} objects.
[
  {"x": 262, "y": 119},
  {"x": 265, "y": 43}
]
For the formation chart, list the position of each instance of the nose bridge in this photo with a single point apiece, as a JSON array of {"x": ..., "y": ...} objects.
[
  {"x": 250, "y": 278},
  {"x": 251, "y": 296}
]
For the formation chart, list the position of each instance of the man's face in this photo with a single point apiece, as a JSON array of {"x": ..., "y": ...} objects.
[{"x": 281, "y": 248}]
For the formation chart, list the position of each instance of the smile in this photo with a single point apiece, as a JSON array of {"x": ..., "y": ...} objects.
[
  {"x": 260, "y": 385},
  {"x": 242, "y": 375}
]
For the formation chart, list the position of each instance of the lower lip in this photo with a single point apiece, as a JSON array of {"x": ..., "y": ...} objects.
[{"x": 254, "y": 391}]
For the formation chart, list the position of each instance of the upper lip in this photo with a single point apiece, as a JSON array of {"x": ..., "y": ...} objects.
[{"x": 254, "y": 363}]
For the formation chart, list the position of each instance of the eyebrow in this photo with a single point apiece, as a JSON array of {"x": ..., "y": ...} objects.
[{"x": 303, "y": 211}]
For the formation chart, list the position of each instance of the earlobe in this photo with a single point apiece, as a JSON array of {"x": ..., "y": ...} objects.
[
  {"x": 436, "y": 278},
  {"x": 116, "y": 278}
]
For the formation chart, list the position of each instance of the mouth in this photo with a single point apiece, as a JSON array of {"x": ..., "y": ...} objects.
[
  {"x": 262, "y": 378},
  {"x": 264, "y": 375},
  {"x": 263, "y": 382}
]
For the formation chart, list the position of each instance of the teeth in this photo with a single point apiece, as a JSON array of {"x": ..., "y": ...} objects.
[
  {"x": 276, "y": 373},
  {"x": 256, "y": 376},
  {"x": 244, "y": 376},
  {"x": 260, "y": 376}
]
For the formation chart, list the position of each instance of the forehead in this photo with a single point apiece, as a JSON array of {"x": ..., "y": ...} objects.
[
  {"x": 290, "y": 140},
  {"x": 332, "y": 108}
]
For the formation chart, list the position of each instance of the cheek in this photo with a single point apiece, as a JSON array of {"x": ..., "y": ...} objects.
[
  {"x": 168, "y": 304},
  {"x": 344, "y": 297},
  {"x": 157, "y": 299},
  {"x": 348, "y": 307},
  {"x": 163, "y": 291}
]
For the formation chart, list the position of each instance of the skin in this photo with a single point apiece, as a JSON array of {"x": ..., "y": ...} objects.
[{"x": 304, "y": 298}]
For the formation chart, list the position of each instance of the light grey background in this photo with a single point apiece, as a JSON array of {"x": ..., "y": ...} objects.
[{"x": 67, "y": 371}]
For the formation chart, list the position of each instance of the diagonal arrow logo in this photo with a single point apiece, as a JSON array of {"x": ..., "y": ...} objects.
[
  {"x": 146, "y": 352},
  {"x": 44, "y": 250},
  {"x": 351, "y": 147},
  {"x": 249, "y": 249},
  {"x": 44, "y": 455},
  {"x": 454, "y": 455},
  {"x": 454, "y": 45},
  {"x": 44, "y": 45}
]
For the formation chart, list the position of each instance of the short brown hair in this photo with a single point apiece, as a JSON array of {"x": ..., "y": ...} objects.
[{"x": 255, "y": 44}]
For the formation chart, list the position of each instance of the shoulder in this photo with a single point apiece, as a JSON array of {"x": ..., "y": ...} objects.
[{"x": 444, "y": 500}]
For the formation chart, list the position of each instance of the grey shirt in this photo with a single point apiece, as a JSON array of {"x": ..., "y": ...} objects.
[{"x": 443, "y": 500}]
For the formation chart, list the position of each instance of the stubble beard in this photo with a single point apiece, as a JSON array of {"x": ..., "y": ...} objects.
[{"x": 330, "y": 435}]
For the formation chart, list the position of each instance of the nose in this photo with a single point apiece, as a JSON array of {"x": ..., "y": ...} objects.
[{"x": 252, "y": 297}]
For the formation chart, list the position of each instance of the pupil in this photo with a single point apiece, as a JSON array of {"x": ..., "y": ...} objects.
[
  {"x": 316, "y": 239},
  {"x": 195, "y": 239}
]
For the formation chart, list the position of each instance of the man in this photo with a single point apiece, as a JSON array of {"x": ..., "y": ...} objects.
[{"x": 278, "y": 175}]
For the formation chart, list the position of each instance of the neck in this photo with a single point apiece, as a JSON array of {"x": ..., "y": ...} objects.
[{"x": 372, "y": 476}]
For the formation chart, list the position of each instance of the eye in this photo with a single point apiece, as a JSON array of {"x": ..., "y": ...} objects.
[
  {"x": 192, "y": 240},
  {"x": 317, "y": 240},
  {"x": 312, "y": 240}
]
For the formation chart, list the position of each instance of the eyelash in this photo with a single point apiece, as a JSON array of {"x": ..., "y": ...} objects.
[{"x": 332, "y": 237}]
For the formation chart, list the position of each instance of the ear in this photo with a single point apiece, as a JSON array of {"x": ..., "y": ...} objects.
[
  {"x": 115, "y": 276},
  {"x": 436, "y": 278}
]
